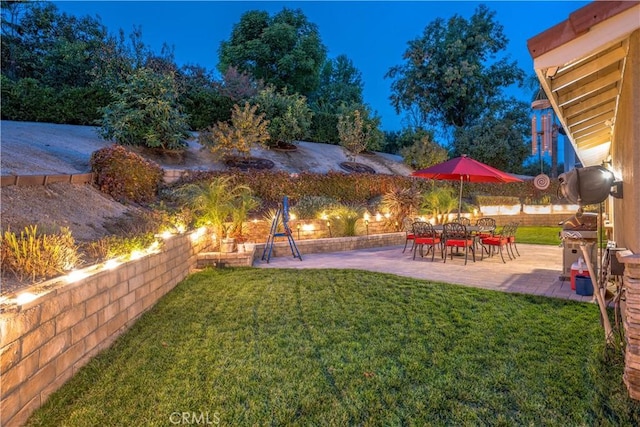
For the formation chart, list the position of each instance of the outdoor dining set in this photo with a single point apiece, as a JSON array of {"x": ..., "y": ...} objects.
[{"x": 458, "y": 235}]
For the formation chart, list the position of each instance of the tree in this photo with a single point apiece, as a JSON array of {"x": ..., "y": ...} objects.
[
  {"x": 451, "y": 72},
  {"x": 239, "y": 86},
  {"x": 354, "y": 134},
  {"x": 498, "y": 139},
  {"x": 201, "y": 97},
  {"x": 288, "y": 115},
  {"x": 247, "y": 129},
  {"x": 340, "y": 82},
  {"x": 146, "y": 113},
  {"x": 284, "y": 50},
  {"x": 424, "y": 151},
  {"x": 56, "y": 49}
]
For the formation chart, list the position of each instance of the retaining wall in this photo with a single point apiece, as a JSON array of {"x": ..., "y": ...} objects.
[{"x": 44, "y": 342}]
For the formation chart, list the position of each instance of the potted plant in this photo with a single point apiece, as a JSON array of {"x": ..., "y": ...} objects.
[
  {"x": 243, "y": 204},
  {"x": 214, "y": 203}
]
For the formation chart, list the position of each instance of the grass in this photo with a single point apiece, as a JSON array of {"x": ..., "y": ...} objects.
[
  {"x": 538, "y": 235},
  {"x": 343, "y": 347}
]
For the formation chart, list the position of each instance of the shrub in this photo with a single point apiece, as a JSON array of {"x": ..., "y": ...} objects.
[
  {"x": 353, "y": 133},
  {"x": 145, "y": 112},
  {"x": 424, "y": 151},
  {"x": 309, "y": 207},
  {"x": 33, "y": 255},
  {"x": 401, "y": 202},
  {"x": 206, "y": 106},
  {"x": 27, "y": 100},
  {"x": 344, "y": 219},
  {"x": 217, "y": 202},
  {"x": 324, "y": 128},
  {"x": 124, "y": 175},
  {"x": 247, "y": 129},
  {"x": 288, "y": 114},
  {"x": 110, "y": 247},
  {"x": 439, "y": 202},
  {"x": 497, "y": 200}
]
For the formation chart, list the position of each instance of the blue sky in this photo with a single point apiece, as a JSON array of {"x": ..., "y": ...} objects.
[{"x": 373, "y": 34}]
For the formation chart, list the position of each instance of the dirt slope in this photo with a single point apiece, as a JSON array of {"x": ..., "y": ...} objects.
[{"x": 40, "y": 148}]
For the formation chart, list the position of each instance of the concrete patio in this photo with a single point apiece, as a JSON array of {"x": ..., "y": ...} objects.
[{"x": 537, "y": 271}]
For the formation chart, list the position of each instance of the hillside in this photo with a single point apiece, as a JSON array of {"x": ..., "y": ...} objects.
[{"x": 41, "y": 148}]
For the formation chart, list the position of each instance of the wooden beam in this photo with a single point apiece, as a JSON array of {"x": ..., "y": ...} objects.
[
  {"x": 595, "y": 139},
  {"x": 589, "y": 88},
  {"x": 606, "y": 108},
  {"x": 591, "y": 130},
  {"x": 601, "y": 118},
  {"x": 588, "y": 68},
  {"x": 605, "y": 97}
]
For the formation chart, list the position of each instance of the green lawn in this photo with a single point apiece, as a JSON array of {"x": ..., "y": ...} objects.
[
  {"x": 538, "y": 235},
  {"x": 342, "y": 347}
]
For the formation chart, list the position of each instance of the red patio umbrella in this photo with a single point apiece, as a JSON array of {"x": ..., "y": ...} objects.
[{"x": 462, "y": 169}]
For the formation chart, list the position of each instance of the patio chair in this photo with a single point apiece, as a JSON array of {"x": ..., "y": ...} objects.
[
  {"x": 407, "y": 226},
  {"x": 464, "y": 221},
  {"x": 498, "y": 240},
  {"x": 489, "y": 224},
  {"x": 512, "y": 238},
  {"x": 456, "y": 236},
  {"x": 425, "y": 235}
]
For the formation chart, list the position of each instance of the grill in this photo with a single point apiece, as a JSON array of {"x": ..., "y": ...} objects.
[
  {"x": 579, "y": 234},
  {"x": 574, "y": 231}
]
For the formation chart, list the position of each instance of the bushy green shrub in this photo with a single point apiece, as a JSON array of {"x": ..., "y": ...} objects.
[
  {"x": 145, "y": 112},
  {"x": 36, "y": 256},
  {"x": 288, "y": 114},
  {"x": 324, "y": 128},
  {"x": 424, "y": 151},
  {"x": 80, "y": 105},
  {"x": 29, "y": 100},
  {"x": 205, "y": 107},
  {"x": 125, "y": 175}
]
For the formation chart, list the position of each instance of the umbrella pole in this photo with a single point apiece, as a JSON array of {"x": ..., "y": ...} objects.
[{"x": 460, "y": 199}]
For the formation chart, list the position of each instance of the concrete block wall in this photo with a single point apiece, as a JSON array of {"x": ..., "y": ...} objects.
[{"x": 43, "y": 343}]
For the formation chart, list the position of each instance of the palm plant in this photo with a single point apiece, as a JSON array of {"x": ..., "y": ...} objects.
[
  {"x": 401, "y": 203},
  {"x": 439, "y": 202},
  {"x": 345, "y": 218},
  {"x": 219, "y": 203}
]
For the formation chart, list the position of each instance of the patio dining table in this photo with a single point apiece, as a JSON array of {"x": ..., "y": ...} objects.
[{"x": 474, "y": 229}]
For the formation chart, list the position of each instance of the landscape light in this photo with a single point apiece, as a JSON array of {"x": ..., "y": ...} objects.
[
  {"x": 111, "y": 264},
  {"x": 76, "y": 275},
  {"x": 25, "y": 298}
]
